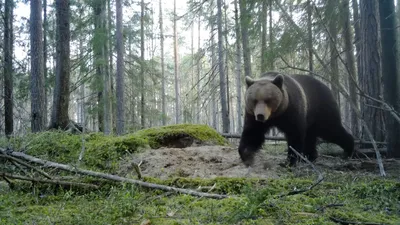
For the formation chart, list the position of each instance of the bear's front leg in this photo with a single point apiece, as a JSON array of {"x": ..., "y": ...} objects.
[{"x": 251, "y": 140}]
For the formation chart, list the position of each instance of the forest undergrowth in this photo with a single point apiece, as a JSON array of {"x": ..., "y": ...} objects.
[{"x": 350, "y": 192}]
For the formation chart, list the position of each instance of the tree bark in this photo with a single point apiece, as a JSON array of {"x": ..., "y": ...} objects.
[
  {"x": 357, "y": 36},
  {"x": 264, "y": 14},
  {"x": 37, "y": 79},
  {"x": 120, "y": 70},
  {"x": 59, "y": 117},
  {"x": 142, "y": 101},
  {"x": 45, "y": 58},
  {"x": 309, "y": 37},
  {"x": 351, "y": 64},
  {"x": 370, "y": 81},
  {"x": 164, "y": 112},
  {"x": 238, "y": 70},
  {"x": 332, "y": 18},
  {"x": 244, "y": 24},
  {"x": 177, "y": 106},
  {"x": 222, "y": 84},
  {"x": 390, "y": 73},
  {"x": 8, "y": 68}
]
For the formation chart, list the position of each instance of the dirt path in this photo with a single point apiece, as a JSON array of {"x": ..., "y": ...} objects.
[{"x": 221, "y": 161}]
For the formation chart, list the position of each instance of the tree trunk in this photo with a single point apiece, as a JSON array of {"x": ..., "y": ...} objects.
[
  {"x": 198, "y": 72},
  {"x": 37, "y": 79},
  {"x": 332, "y": 17},
  {"x": 164, "y": 112},
  {"x": 106, "y": 74},
  {"x": 309, "y": 37},
  {"x": 390, "y": 73},
  {"x": 222, "y": 84},
  {"x": 357, "y": 36},
  {"x": 351, "y": 65},
  {"x": 120, "y": 70},
  {"x": 45, "y": 59},
  {"x": 177, "y": 107},
  {"x": 244, "y": 24},
  {"x": 264, "y": 14},
  {"x": 213, "y": 78},
  {"x": 59, "y": 116},
  {"x": 238, "y": 70},
  {"x": 142, "y": 102},
  {"x": 271, "y": 39},
  {"x": 8, "y": 68},
  {"x": 370, "y": 81}
]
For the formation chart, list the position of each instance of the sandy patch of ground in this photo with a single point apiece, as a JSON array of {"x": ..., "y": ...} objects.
[{"x": 223, "y": 161}]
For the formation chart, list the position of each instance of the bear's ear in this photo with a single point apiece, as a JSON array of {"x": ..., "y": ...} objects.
[
  {"x": 278, "y": 81},
  {"x": 249, "y": 81}
]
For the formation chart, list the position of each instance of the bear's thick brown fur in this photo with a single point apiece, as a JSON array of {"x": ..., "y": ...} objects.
[{"x": 300, "y": 106}]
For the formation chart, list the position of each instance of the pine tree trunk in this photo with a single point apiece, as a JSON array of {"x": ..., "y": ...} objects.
[
  {"x": 120, "y": 70},
  {"x": 357, "y": 36},
  {"x": 142, "y": 101},
  {"x": 59, "y": 116},
  {"x": 45, "y": 59},
  {"x": 222, "y": 84},
  {"x": 244, "y": 24},
  {"x": 331, "y": 14},
  {"x": 264, "y": 64},
  {"x": 8, "y": 68},
  {"x": 212, "y": 89},
  {"x": 238, "y": 64},
  {"x": 177, "y": 107},
  {"x": 198, "y": 73},
  {"x": 37, "y": 79},
  {"x": 309, "y": 37},
  {"x": 271, "y": 39},
  {"x": 164, "y": 112},
  {"x": 390, "y": 73},
  {"x": 370, "y": 81},
  {"x": 351, "y": 64}
]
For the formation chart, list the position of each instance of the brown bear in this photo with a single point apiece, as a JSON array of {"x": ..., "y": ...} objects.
[{"x": 300, "y": 106}]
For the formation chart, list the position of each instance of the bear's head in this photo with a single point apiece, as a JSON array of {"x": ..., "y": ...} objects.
[{"x": 265, "y": 97}]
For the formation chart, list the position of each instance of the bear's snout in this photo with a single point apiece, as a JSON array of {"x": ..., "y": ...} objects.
[
  {"x": 262, "y": 112},
  {"x": 260, "y": 117}
]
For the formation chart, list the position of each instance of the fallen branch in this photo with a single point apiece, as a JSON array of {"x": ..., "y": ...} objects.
[
  {"x": 69, "y": 168},
  {"x": 12, "y": 159},
  {"x": 319, "y": 179},
  {"x": 57, "y": 182},
  {"x": 344, "y": 222}
]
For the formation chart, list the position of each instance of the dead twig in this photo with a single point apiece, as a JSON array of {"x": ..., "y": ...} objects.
[
  {"x": 69, "y": 168},
  {"x": 13, "y": 159},
  {"x": 319, "y": 179},
  {"x": 344, "y": 222},
  {"x": 57, "y": 182}
]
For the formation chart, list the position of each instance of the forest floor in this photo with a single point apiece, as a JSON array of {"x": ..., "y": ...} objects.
[
  {"x": 352, "y": 191},
  {"x": 223, "y": 161}
]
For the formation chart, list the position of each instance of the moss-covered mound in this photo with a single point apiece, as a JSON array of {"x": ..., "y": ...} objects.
[
  {"x": 170, "y": 135},
  {"x": 102, "y": 152}
]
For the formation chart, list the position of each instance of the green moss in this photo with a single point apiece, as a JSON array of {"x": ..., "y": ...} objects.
[
  {"x": 203, "y": 133},
  {"x": 256, "y": 202}
]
